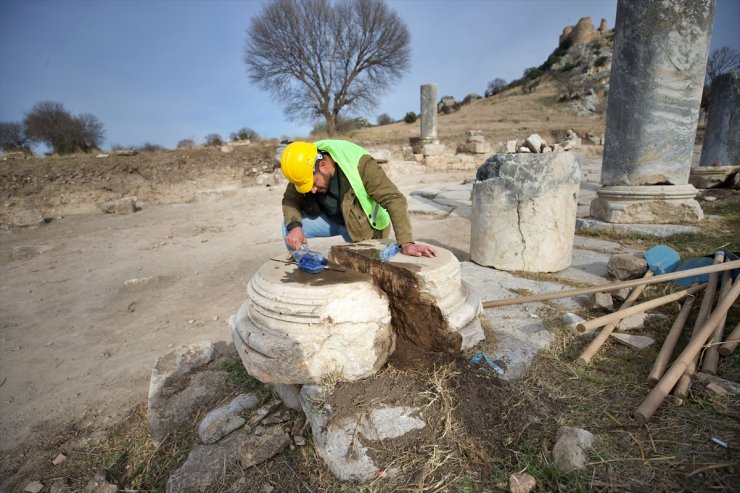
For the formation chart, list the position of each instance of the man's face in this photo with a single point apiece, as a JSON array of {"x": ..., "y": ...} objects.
[{"x": 322, "y": 176}]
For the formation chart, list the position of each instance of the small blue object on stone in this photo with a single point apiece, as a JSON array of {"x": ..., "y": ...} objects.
[
  {"x": 309, "y": 260},
  {"x": 489, "y": 361},
  {"x": 389, "y": 251},
  {"x": 662, "y": 259}
]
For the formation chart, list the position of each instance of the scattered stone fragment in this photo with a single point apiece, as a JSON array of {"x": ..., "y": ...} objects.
[
  {"x": 99, "y": 484},
  {"x": 380, "y": 155},
  {"x": 633, "y": 341},
  {"x": 257, "y": 449},
  {"x": 625, "y": 266},
  {"x": 204, "y": 466},
  {"x": 138, "y": 282},
  {"x": 125, "y": 152},
  {"x": 289, "y": 394},
  {"x": 633, "y": 322},
  {"x": 124, "y": 205},
  {"x": 535, "y": 143},
  {"x": 61, "y": 485},
  {"x": 341, "y": 442},
  {"x": 227, "y": 149},
  {"x": 621, "y": 294},
  {"x": 717, "y": 389},
  {"x": 27, "y": 218},
  {"x": 263, "y": 411},
  {"x": 33, "y": 487},
  {"x": 570, "y": 450},
  {"x": 59, "y": 459},
  {"x": 728, "y": 386},
  {"x": 166, "y": 393},
  {"x": 601, "y": 301},
  {"x": 225, "y": 419},
  {"x": 521, "y": 483}
]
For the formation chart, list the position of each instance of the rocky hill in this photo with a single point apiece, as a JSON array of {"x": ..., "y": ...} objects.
[{"x": 566, "y": 92}]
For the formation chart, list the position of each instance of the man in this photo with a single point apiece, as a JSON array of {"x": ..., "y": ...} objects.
[{"x": 337, "y": 188}]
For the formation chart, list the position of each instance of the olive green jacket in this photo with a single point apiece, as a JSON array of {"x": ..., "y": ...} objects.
[{"x": 377, "y": 185}]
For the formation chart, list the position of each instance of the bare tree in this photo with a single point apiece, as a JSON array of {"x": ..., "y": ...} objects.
[
  {"x": 319, "y": 58},
  {"x": 244, "y": 133},
  {"x": 213, "y": 140},
  {"x": 49, "y": 122},
  {"x": 385, "y": 119},
  {"x": 89, "y": 132},
  {"x": 495, "y": 86},
  {"x": 13, "y": 137},
  {"x": 721, "y": 61}
]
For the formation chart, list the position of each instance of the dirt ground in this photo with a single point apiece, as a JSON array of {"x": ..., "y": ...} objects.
[{"x": 90, "y": 301}]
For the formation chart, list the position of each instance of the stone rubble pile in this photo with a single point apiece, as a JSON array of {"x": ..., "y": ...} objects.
[
  {"x": 537, "y": 145},
  {"x": 475, "y": 143},
  {"x": 191, "y": 378}
]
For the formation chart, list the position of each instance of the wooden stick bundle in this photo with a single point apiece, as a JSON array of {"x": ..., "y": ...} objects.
[
  {"x": 711, "y": 356},
  {"x": 661, "y": 362},
  {"x": 682, "y": 389},
  {"x": 600, "y": 339},
  {"x": 656, "y": 396},
  {"x": 626, "y": 312},
  {"x": 735, "y": 264}
]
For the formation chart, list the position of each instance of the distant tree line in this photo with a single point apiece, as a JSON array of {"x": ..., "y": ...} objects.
[{"x": 50, "y": 123}]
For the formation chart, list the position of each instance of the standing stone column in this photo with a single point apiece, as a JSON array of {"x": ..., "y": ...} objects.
[
  {"x": 657, "y": 76},
  {"x": 429, "y": 112},
  {"x": 427, "y": 144},
  {"x": 720, "y": 152}
]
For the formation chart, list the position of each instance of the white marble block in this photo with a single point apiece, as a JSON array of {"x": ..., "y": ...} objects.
[
  {"x": 524, "y": 211},
  {"x": 298, "y": 328}
]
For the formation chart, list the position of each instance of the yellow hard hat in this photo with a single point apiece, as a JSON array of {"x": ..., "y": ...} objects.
[{"x": 297, "y": 164}]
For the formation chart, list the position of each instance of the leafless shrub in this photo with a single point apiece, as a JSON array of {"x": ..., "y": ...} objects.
[
  {"x": 186, "y": 144},
  {"x": 214, "y": 140},
  {"x": 49, "y": 122}
]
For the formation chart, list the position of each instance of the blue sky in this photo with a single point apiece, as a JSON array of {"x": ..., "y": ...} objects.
[{"x": 161, "y": 71}]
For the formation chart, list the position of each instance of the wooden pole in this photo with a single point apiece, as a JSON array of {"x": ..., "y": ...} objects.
[
  {"x": 682, "y": 388},
  {"x": 730, "y": 343},
  {"x": 624, "y": 313},
  {"x": 600, "y": 339},
  {"x": 735, "y": 264},
  {"x": 661, "y": 362},
  {"x": 711, "y": 355},
  {"x": 656, "y": 396}
]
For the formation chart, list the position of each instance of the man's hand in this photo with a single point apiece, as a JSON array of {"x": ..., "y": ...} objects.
[
  {"x": 295, "y": 238},
  {"x": 414, "y": 250}
]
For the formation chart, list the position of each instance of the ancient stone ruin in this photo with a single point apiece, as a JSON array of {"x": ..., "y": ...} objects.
[
  {"x": 300, "y": 328},
  {"x": 653, "y": 109},
  {"x": 524, "y": 211},
  {"x": 719, "y": 164},
  {"x": 297, "y": 330}
]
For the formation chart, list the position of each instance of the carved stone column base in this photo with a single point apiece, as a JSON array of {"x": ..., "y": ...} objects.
[
  {"x": 654, "y": 204},
  {"x": 711, "y": 176}
]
